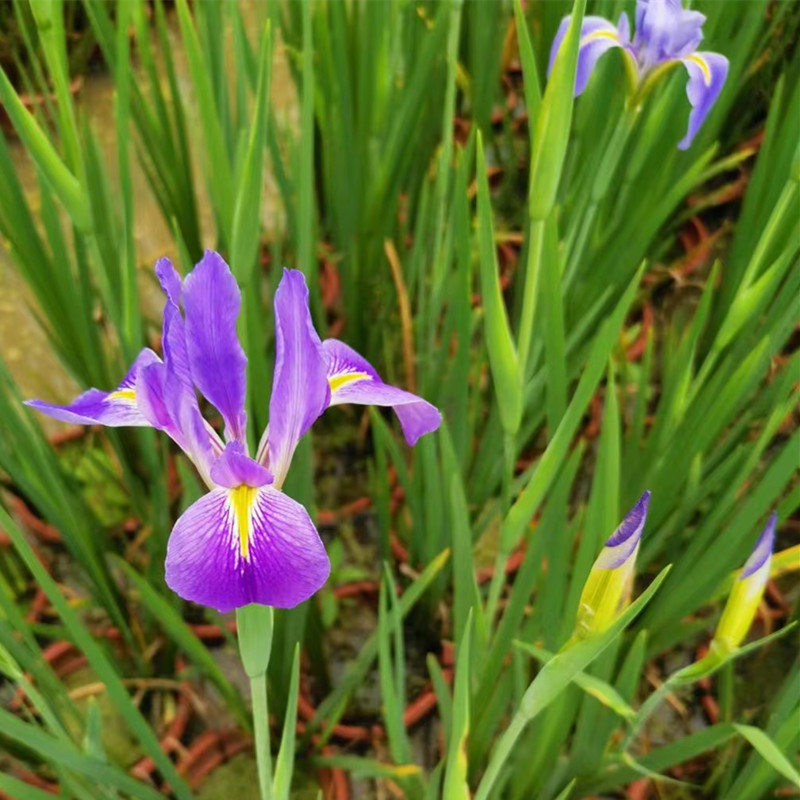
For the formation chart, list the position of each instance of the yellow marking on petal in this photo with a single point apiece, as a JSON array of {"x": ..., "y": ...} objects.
[
  {"x": 695, "y": 59},
  {"x": 127, "y": 395},
  {"x": 343, "y": 378},
  {"x": 591, "y": 37},
  {"x": 242, "y": 499}
]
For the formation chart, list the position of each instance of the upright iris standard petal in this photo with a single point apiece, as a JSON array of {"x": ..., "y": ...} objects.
[
  {"x": 170, "y": 280},
  {"x": 169, "y": 405},
  {"x": 95, "y": 407},
  {"x": 299, "y": 386},
  {"x": 352, "y": 379},
  {"x": 173, "y": 337},
  {"x": 211, "y": 302},
  {"x": 245, "y": 545},
  {"x": 598, "y": 35},
  {"x": 746, "y": 593},
  {"x": 665, "y": 31},
  {"x": 707, "y": 75},
  {"x": 608, "y": 585}
]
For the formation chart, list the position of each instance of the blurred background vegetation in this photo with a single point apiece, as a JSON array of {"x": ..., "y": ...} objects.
[{"x": 341, "y": 139}]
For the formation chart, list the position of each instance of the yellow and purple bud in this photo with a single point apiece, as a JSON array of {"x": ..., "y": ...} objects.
[
  {"x": 608, "y": 588},
  {"x": 746, "y": 593}
]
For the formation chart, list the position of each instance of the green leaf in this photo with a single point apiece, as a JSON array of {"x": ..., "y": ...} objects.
[
  {"x": 576, "y": 655},
  {"x": 99, "y": 662},
  {"x": 391, "y": 669},
  {"x": 662, "y": 758},
  {"x": 217, "y": 157},
  {"x": 554, "y": 678},
  {"x": 769, "y": 751},
  {"x": 284, "y": 764},
  {"x": 597, "y": 688},
  {"x": 567, "y": 790},
  {"x": 18, "y": 790},
  {"x": 246, "y": 225},
  {"x": 69, "y": 757},
  {"x": 331, "y": 709},
  {"x": 522, "y": 511},
  {"x": 172, "y": 623},
  {"x": 456, "y": 786},
  {"x": 63, "y": 181},
  {"x": 499, "y": 342},
  {"x": 549, "y": 147}
]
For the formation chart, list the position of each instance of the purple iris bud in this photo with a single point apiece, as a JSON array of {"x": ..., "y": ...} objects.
[
  {"x": 762, "y": 552},
  {"x": 625, "y": 539},
  {"x": 746, "y": 594},
  {"x": 665, "y": 33},
  {"x": 245, "y": 541},
  {"x": 607, "y": 589}
]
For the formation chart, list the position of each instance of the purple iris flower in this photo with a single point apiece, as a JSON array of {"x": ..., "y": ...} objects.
[
  {"x": 245, "y": 541},
  {"x": 666, "y": 33}
]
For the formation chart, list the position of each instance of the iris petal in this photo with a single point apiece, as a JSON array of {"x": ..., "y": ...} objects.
[
  {"x": 173, "y": 337},
  {"x": 707, "y": 75},
  {"x": 354, "y": 380},
  {"x": 169, "y": 405},
  {"x": 211, "y": 301},
  {"x": 245, "y": 545},
  {"x": 665, "y": 30},
  {"x": 598, "y": 35},
  {"x": 170, "y": 280},
  {"x": 234, "y": 468},
  {"x": 299, "y": 386},
  {"x": 762, "y": 552},
  {"x": 95, "y": 407},
  {"x": 621, "y": 544}
]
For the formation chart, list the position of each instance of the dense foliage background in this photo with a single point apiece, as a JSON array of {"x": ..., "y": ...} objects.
[{"x": 630, "y": 325}]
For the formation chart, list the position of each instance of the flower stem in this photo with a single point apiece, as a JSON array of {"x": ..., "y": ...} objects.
[
  {"x": 501, "y": 753},
  {"x": 254, "y": 625},
  {"x": 646, "y": 709}
]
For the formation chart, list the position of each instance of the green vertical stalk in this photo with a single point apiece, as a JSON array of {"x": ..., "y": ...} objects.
[
  {"x": 602, "y": 180},
  {"x": 501, "y": 559},
  {"x": 532, "y": 270},
  {"x": 255, "y": 625},
  {"x": 306, "y": 234}
]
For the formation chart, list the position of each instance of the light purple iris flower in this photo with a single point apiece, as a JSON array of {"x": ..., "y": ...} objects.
[
  {"x": 665, "y": 33},
  {"x": 245, "y": 541}
]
